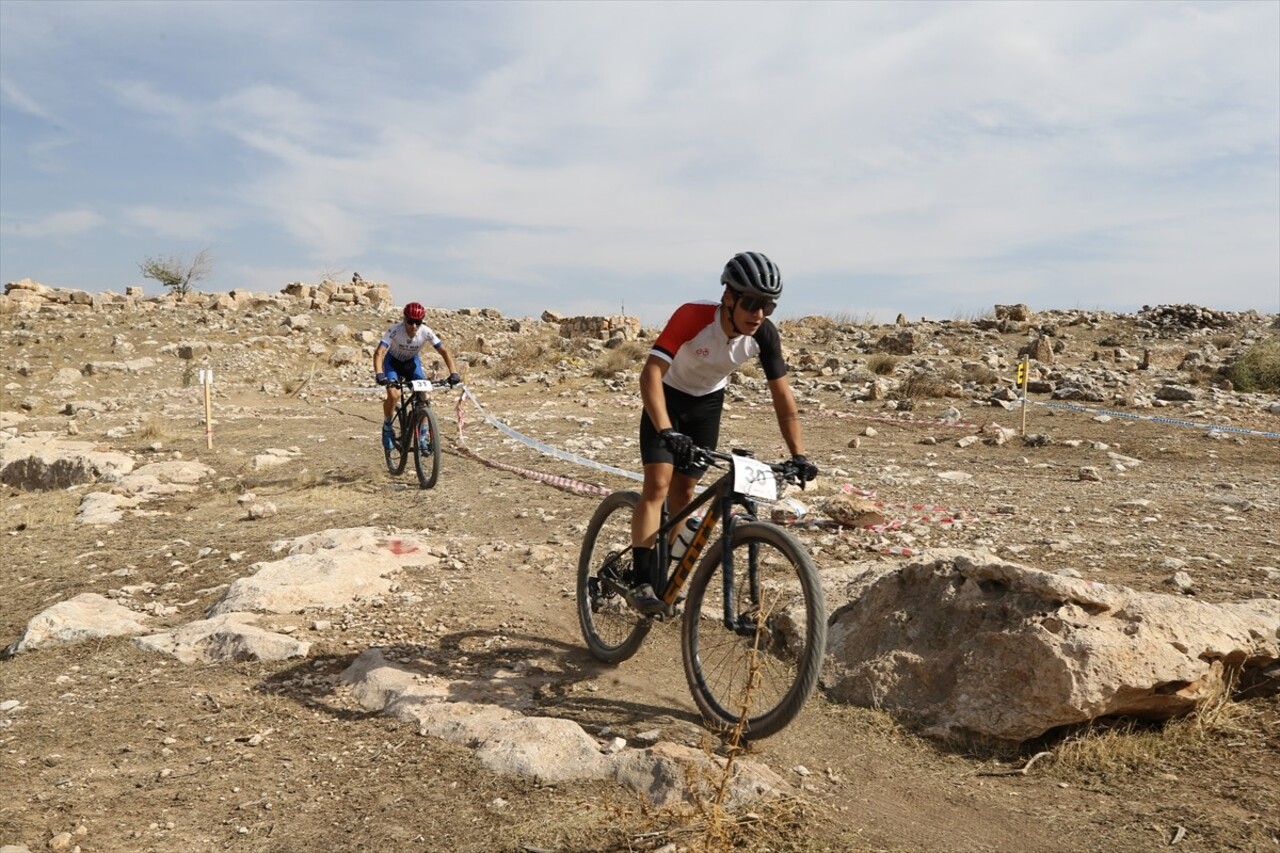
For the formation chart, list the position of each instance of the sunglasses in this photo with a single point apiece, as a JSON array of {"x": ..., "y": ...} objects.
[
  {"x": 752, "y": 304},
  {"x": 413, "y": 322}
]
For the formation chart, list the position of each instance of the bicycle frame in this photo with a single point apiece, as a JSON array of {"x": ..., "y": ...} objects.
[
  {"x": 719, "y": 499},
  {"x": 410, "y": 398}
]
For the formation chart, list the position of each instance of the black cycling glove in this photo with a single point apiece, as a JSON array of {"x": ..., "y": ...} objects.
[
  {"x": 804, "y": 469},
  {"x": 454, "y": 379},
  {"x": 680, "y": 445},
  {"x": 381, "y": 379}
]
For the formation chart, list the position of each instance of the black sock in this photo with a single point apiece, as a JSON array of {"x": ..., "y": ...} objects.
[{"x": 644, "y": 561}]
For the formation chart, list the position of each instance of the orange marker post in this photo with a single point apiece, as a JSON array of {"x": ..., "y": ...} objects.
[{"x": 1022, "y": 383}]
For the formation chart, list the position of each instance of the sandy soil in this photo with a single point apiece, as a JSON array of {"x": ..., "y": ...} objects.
[{"x": 130, "y": 751}]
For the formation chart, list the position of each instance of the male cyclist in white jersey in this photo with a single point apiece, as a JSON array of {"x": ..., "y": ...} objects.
[
  {"x": 397, "y": 357},
  {"x": 682, "y": 387}
]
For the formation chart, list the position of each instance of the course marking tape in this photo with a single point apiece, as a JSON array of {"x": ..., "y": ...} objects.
[
  {"x": 927, "y": 513},
  {"x": 561, "y": 482},
  {"x": 566, "y": 483},
  {"x": 912, "y": 421},
  {"x": 1156, "y": 419},
  {"x": 546, "y": 449}
]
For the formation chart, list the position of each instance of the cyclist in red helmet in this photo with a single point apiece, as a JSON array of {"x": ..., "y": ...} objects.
[
  {"x": 397, "y": 356},
  {"x": 682, "y": 387}
]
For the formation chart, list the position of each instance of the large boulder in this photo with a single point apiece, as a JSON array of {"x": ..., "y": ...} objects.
[
  {"x": 229, "y": 637},
  {"x": 968, "y": 645},
  {"x": 88, "y": 616},
  {"x": 323, "y": 570},
  {"x": 42, "y": 463},
  {"x": 547, "y": 750}
]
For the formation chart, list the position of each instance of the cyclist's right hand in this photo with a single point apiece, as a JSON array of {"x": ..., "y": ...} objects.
[
  {"x": 680, "y": 445},
  {"x": 381, "y": 379}
]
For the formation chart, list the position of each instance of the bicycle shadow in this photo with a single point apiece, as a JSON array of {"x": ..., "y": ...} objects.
[{"x": 526, "y": 673}]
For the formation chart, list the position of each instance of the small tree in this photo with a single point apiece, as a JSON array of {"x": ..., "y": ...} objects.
[{"x": 175, "y": 273}]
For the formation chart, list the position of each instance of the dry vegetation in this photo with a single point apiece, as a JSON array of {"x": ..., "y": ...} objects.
[{"x": 91, "y": 744}]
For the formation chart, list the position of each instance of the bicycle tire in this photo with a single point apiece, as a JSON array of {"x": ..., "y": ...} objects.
[
  {"x": 426, "y": 453},
  {"x": 398, "y": 453},
  {"x": 760, "y": 680},
  {"x": 612, "y": 629}
]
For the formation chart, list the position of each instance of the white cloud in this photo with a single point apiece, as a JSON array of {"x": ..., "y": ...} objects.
[
  {"x": 64, "y": 223},
  {"x": 16, "y": 97},
  {"x": 966, "y": 147},
  {"x": 174, "y": 224}
]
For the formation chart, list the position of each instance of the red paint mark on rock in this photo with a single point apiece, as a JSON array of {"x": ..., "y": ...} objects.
[{"x": 398, "y": 547}]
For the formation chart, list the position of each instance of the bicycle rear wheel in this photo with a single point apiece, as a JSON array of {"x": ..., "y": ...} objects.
[
  {"x": 612, "y": 629},
  {"x": 426, "y": 446},
  {"x": 398, "y": 453},
  {"x": 762, "y": 677}
]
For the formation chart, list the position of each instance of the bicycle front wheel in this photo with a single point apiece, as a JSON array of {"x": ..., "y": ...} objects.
[
  {"x": 398, "y": 453},
  {"x": 612, "y": 629},
  {"x": 759, "y": 675},
  {"x": 426, "y": 447}
]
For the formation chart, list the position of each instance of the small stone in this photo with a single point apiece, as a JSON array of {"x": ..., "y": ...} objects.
[{"x": 266, "y": 509}]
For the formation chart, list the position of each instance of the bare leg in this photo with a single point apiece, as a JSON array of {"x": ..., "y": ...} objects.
[{"x": 648, "y": 513}]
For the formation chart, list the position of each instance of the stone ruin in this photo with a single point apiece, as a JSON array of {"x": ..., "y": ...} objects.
[{"x": 27, "y": 296}]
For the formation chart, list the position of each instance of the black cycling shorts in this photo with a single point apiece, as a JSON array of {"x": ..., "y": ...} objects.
[{"x": 696, "y": 417}]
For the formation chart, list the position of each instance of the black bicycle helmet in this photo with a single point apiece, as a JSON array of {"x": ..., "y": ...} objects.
[{"x": 754, "y": 274}]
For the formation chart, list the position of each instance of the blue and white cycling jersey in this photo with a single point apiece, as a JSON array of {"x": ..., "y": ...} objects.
[{"x": 403, "y": 346}]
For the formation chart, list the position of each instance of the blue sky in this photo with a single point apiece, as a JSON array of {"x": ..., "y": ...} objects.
[{"x": 932, "y": 159}]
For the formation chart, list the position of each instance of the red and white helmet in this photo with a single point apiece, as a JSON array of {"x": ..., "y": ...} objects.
[{"x": 414, "y": 311}]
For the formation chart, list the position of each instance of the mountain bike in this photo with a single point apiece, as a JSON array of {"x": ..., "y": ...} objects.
[
  {"x": 753, "y": 642},
  {"x": 414, "y": 417}
]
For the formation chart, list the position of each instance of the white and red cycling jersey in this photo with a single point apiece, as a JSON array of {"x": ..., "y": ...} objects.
[
  {"x": 702, "y": 357},
  {"x": 402, "y": 346}
]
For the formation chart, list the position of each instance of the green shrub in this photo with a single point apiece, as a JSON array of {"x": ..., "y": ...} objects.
[{"x": 1258, "y": 367}]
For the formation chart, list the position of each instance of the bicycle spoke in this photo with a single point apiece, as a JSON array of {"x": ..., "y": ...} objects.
[
  {"x": 763, "y": 672},
  {"x": 612, "y": 629}
]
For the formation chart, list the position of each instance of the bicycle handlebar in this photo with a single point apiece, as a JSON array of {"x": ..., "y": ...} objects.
[
  {"x": 785, "y": 470},
  {"x": 402, "y": 382}
]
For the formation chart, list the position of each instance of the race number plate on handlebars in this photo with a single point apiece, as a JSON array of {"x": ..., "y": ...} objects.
[
  {"x": 754, "y": 479},
  {"x": 421, "y": 385}
]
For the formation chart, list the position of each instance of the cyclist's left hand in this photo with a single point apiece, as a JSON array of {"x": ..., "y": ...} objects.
[
  {"x": 804, "y": 469},
  {"x": 380, "y": 378},
  {"x": 454, "y": 379}
]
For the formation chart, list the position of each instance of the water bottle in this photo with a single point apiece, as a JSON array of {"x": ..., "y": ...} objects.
[{"x": 690, "y": 529}]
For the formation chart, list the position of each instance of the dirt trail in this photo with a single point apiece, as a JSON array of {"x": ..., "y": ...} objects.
[{"x": 146, "y": 754}]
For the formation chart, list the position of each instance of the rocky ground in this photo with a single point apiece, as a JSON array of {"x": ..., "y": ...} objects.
[{"x": 1170, "y": 484}]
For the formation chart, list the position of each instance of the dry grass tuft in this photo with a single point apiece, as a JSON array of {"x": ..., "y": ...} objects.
[
  {"x": 1258, "y": 367},
  {"x": 629, "y": 356},
  {"x": 1121, "y": 746},
  {"x": 531, "y": 355},
  {"x": 882, "y": 364},
  {"x": 922, "y": 386},
  {"x": 153, "y": 429}
]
